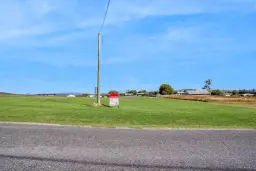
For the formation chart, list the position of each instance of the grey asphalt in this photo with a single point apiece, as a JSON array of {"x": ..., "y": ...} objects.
[{"x": 63, "y": 148}]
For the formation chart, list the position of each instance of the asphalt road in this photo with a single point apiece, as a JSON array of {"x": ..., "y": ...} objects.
[{"x": 57, "y": 148}]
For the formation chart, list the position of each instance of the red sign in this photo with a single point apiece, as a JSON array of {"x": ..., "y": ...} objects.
[
  {"x": 116, "y": 95},
  {"x": 114, "y": 99}
]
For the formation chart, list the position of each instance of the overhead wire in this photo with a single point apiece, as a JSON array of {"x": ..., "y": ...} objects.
[{"x": 104, "y": 17}]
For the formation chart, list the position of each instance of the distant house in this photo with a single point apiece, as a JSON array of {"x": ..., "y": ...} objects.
[
  {"x": 125, "y": 94},
  {"x": 121, "y": 94},
  {"x": 197, "y": 92},
  {"x": 71, "y": 95},
  {"x": 180, "y": 92},
  {"x": 247, "y": 95}
]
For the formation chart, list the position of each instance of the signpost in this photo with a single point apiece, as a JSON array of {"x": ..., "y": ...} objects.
[{"x": 114, "y": 100}]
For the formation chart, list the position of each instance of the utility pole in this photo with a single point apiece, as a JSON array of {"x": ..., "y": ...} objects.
[{"x": 98, "y": 80}]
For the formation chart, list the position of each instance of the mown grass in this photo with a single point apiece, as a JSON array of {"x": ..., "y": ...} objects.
[{"x": 133, "y": 112}]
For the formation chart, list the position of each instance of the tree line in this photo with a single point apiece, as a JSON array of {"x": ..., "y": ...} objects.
[{"x": 167, "y": 89}]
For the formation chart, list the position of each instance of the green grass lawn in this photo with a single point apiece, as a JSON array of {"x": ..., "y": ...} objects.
[{"x": 133, "y": 112}]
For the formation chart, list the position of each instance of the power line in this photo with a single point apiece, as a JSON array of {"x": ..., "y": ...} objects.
[
  {"x": 105, "y": 16},
  {"x": 99, "y": 47}
]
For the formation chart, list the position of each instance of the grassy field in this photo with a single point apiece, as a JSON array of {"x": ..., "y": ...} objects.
[{"x": 133, "y": 112}]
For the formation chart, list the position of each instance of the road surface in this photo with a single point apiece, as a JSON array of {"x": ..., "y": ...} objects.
[{"x": 63, "y": 148}]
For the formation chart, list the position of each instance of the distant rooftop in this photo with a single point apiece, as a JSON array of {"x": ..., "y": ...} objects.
[{"x": 197, "y": 92}]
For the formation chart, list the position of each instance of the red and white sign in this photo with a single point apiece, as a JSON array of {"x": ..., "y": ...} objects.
[{"x": 114, "y": 99}]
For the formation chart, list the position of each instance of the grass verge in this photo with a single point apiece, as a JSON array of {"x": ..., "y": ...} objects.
[{"x": 133, "y": 112}]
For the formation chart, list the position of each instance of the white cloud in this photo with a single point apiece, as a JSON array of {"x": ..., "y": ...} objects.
[
  {"x": 25, "y": 32},
  {"x": 74, "y": 20},
  {"x": 31, "y": 18},
  {"x": 127, "y": 10},
  {"x": 23, "y": 18},
  {"x": 70, "y": 37}
]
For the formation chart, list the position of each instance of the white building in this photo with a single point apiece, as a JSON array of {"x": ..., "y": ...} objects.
[
  {"x": 71, "y": 95},
  {"x": 197, "y": 92},
  {"x": 247, "y": 95}
]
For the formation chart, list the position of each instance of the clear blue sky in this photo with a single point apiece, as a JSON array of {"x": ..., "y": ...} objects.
[{"x": 51, "y": 45}]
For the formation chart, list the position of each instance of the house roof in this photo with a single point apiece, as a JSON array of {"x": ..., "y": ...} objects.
[
  {"x": 248, "y": 94},
  {"x": 197, "y": 92},
  {"x": 71, "y": 95}
]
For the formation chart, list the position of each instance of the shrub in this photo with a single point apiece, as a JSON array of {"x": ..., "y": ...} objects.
[
  {"x": 166, "y": 89},
  {"x": 217, "y": 93},
  {"x": 112, "y": 92}
]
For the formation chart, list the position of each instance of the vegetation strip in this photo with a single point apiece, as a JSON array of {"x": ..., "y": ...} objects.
[{"x": 137, "y": 112}]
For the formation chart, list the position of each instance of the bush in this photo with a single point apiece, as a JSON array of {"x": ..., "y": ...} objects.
[
  {"x": 134, "y": 92},
  {"x": 166, "y": 89},
  {"x": 234, "y": 93},
  {"x": 142, "y": 91},
  {"x": 217, "y": 93},
  {"x": 85, "y": 95},
  {"x": 112, "y": 92}
]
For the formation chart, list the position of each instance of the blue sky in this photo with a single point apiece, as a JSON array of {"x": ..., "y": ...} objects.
[{"x": 51, "y": 45}]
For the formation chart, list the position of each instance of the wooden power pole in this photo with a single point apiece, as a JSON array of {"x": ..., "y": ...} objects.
[{"x": 98, "y": 78}]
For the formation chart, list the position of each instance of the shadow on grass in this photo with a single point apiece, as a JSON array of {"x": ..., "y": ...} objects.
[
  {"x": 105, "y": 105},
  {"x": 102, "y": 105}
]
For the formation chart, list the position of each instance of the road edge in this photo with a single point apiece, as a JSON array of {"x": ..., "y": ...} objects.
[{"x": 121, "y": 128}]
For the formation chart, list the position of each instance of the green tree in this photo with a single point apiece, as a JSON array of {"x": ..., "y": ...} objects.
[
  {"x": 153, "y": 92},
  {"x": 217, "y": 93},
  {"x": 156, "y": 92},
  {"x": 166, "y": 89},
  {"x": 85, "y": 95},
  {"x": 208, "y": 84},
  {"x": 134, "y": 92},
  {"x": 234, "y": 93},
  {"x": 142, "y": 91},
  {"x": 112, "y": 92},
  {"x": 243, "y": 91}
]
